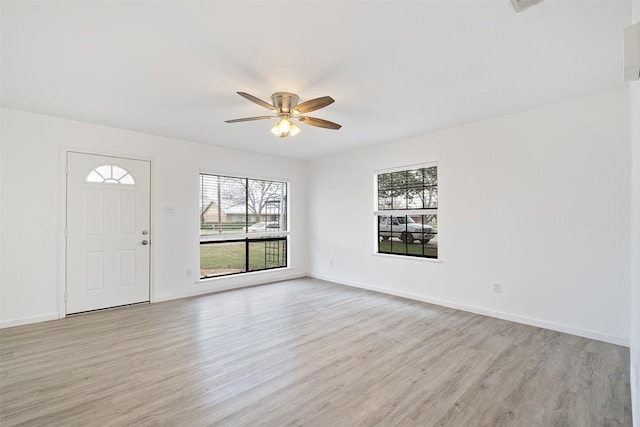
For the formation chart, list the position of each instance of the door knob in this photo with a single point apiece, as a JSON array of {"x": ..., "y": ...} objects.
[{"x": 145, "y": 242}]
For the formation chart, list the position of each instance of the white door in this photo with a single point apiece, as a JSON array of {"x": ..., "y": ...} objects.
[{"x": 108, "y": 202}]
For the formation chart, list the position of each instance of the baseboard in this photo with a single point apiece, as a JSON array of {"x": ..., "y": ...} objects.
[
  {"x": 559, "y": 327},
  {"x": 220, "y": 286},
  {"x": 27, "y": 320}
]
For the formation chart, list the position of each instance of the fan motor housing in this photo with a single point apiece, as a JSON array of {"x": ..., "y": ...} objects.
[{"x": 284, "y": 101}]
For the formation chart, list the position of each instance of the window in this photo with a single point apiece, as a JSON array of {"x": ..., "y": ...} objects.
[
  {"x": 243, "y": 225},
  {"x": 407, "y": 212},
  {"x": 110, "y": 174}
]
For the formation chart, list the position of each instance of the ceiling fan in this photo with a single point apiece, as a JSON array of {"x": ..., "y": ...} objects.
[{"x": 285, "y": 108}]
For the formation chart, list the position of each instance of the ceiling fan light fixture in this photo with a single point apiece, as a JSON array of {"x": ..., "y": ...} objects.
[
  {"x": 285, "y": 128},
  {"x": 294, "y": 130},
  {"x": 284, "y": 125}
]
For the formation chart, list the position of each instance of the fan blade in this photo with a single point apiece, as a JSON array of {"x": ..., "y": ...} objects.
[
  {"x": 313, "y": 104},
  {"x": 257, "y": 101},
  {"x": 249, "y": 119},
  {"x": 319, "y": 122}
]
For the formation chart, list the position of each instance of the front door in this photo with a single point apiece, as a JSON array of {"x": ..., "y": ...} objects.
[{"x": 108, "y": 205}]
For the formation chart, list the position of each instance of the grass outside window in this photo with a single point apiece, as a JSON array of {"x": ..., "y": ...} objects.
[{"x": 224, "y": 258}]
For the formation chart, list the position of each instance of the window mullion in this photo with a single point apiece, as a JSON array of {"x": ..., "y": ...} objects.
[{"x": 410, "y": 212}]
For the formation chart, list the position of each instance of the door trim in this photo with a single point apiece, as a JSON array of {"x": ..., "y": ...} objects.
[{"x": 62, "y": 218}]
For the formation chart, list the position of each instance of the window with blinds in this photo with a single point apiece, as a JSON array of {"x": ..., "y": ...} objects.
[
  {"x": 407, "y": 211},
  {"x": 243, "y": 225}
]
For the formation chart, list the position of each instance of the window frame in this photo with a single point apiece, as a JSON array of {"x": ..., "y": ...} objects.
[
  {"x": 245, "y": 237},
  {"x": 393, "y": 214}
]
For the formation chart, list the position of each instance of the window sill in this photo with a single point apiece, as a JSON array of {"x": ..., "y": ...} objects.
[
  {"x": 409, "y": 258},
  {"x": 237, "y": 276}
]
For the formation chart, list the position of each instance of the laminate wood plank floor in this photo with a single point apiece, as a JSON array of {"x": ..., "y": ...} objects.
[{"x": 305, "y": 352}]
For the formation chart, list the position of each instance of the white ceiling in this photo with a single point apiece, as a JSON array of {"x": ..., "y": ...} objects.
[{"x": 395, "y": 68}]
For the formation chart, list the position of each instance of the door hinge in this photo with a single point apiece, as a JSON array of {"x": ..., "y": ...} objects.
[
  {"x": 66, "y": 233},
  {"x": 66, "y": 297}
]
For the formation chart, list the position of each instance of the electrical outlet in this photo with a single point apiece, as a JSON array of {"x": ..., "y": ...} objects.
[
  {"x": 497, "y": 288},
  {"x": 188, "y": 272},
  {"x": 331, "y": 263}
]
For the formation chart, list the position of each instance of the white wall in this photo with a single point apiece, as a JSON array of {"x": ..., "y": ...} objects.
[
  {"x": 32, "y": 192},
  {"x": 537, "y": 201},
  {"x": 635, "y": 239}
]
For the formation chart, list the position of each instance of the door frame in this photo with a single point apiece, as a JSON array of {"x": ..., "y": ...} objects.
[{"x": 62, "y": 218}]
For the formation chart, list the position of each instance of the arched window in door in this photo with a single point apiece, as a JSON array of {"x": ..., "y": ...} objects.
[{"x": 110, "y": 174}]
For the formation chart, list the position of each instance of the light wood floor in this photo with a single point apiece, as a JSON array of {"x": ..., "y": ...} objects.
[{"x": 306, "y": 352}]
